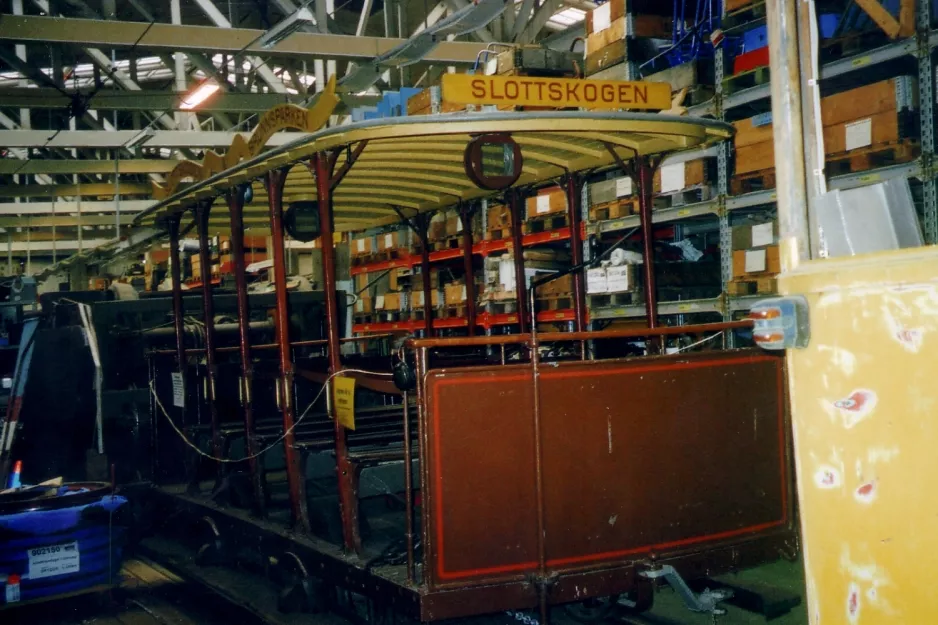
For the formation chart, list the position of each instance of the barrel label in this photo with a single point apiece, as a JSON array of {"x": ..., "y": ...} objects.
[{"x": 52, "y": 560}]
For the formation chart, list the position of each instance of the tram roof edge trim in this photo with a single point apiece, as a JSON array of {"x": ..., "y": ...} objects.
[{"x": 429, "y": 125}]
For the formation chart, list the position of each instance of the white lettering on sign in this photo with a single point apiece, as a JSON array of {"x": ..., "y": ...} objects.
[
  {"x": 623, "y": 186},
  {"x": 179, "y": 391},
  {"x": 53, "y": 560},
  {"x": 858, "y": 134}
]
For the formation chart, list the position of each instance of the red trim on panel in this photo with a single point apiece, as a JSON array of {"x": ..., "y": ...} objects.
[{"x": 437, "y": 464}]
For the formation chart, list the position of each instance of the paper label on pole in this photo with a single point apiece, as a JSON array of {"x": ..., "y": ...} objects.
[
  {"x": 623, "y": 186},
  {"x": 859, "y": 134},
  {"x": 755, "y": 261},
  {"x": 763, "y": 234},
  {"x": 389, "y": 241},
  {"x": 543, "y": 203},
  {"x": 672, "y": 177},
  {"x": 345, "y": 401},
  {"x": 463, "y": 294},
  {"x": 53, "y": 560},
  {"x": 179, "y": 391},
  {"x": 601, "y": 17}
]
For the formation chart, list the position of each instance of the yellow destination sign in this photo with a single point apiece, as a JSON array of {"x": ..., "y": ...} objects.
[{"x": 555, "y": 92}]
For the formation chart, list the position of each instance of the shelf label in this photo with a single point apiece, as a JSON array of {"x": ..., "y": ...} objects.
[
  {"x": 53, "y": 560},
  {"x": 858, "y": 134},
  {"x": 672, "y": 178},
  {"x": 860, "y": 62},
  {"x": 869, "y": 178},
  {"x": 554, "y": 235},
  {"x": 623, "y": 184},
  {"x": 683, "y": 213}
]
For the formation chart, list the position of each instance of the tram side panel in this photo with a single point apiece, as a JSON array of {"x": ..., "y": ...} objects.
[{"x": 644, "y": 457}]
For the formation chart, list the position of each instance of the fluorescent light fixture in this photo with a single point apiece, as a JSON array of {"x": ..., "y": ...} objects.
[
  {"x": 201, "y": 93},
  {"x": 287, "y": 27},
  {"x": 140, "y": 138}
]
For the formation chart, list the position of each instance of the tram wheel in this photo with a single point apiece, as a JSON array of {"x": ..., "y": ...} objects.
[
  {"x": 212, "y": 551},
  {"x": 301, "y": 592}
]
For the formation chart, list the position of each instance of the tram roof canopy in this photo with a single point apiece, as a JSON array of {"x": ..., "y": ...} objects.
[{"x": 416, "y": 163}]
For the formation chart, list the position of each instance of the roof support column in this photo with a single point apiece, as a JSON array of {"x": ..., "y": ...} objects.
[
  {"x": 644, "y": 172},
  {"x": 236, "y": 215},
  {"x": 465, "y": 214},
  {"x": 573, "y": 185},
  {"x": 295, "y": 473},
  {"x": 201, "y": 211},
  {"x": 322, "y": 167}
]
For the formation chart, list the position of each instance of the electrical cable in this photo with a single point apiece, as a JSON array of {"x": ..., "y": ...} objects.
[{"x": 195, "y": 447}]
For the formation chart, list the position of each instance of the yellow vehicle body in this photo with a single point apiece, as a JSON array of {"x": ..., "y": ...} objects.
[{"x": 864, "y": 406}]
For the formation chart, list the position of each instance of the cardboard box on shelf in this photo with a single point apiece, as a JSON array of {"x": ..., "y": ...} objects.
[
  {"x": 596, "y": 281},
  {"x": 497, "y": 217},
  {"x": 416, "y": 299},
  {"x": 453, "y": 224},
  {"x": 640, "y": 25},
  {"x": 620, "y": 278},
  {"x": 547, "y": 201},
  {"x": 361, "y": 246},
  {"x": 754, "y": 235},
  {"x": 752, "y": 262},
  {"x": 454, "y": 294},
  {"x": 678, "y": 176},
  {"x": 558, "y": 286},
  {"x": 606, "y": 57},
  {"x": 389, "y": 301},
  {"x": 393, "y": 240},
  {"x": 610, "y": 190},
  {"x": 364, "y": 304}
]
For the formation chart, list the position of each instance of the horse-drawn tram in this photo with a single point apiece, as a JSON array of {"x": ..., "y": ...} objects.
[{"x": 480, "y": 471}]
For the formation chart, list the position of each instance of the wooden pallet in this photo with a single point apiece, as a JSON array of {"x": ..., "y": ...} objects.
[
  {"x": 690, "y": 195},
  {"x": 501, "y": 306},
  {"x": 746, "y": 80},
  {"x": 379, "y": 257},
  {"x": 389, "y": 316},
  {"x": 545, "y": 223},
  {"x": 863, "y": 159},
  {"x": 622, "y": 207},
  {"x": 744, "y": 14},
  {"x": 453, "y": 312},
  {"x": 449, "y": 243},
  {"x": 752, "y": 181},
  {"x": 752, "y": 286},
  {"x": 559, "y": 301},
  {"x": 497, "y": 234},
  {"x": 608, "y": 300}
]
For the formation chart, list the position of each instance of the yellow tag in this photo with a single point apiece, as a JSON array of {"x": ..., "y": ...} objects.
[
  {"x": 345, "y": 401},
  {"x": 683, "y": 307},
  {"x": 555, "y": 235},
  {"x": 869, "y": 178},
  {"x": 555, "y": 92},
  {"x": 860, "y": 62},
  {"x": 684, "y": 212}
]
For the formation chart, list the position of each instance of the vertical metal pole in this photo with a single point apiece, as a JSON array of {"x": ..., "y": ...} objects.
[
  {"x": 202, "y": 211},
  {"x": 645, "y": 172},
  {"x": 794, "y": 234},
  {"x": 9, "y": 253},
  {"x": 513, "y": 198},
  {"x": 179, "y": 326},
  {"x": 926, "y": 77},
  {"x": 348, "y": 500},
  {"x": 408, "y": 493},
  {"x": 427, "y": 289},
  {"x": 573, "y": 184},
  {"x": 465, "y": 214},
  {"x": 236, "y": 215},
  {"x": 295, "y": 474}
]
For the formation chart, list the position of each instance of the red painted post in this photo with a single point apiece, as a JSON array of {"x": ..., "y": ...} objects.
[
  {"x": 521, "y": 291},
  {"x": 295, "y": 473},
  {"x": 573, "y": 188},
  {"x": 348, "y": 500},
  {"x": 202, "y": 210},
  {"x": 645, "y": 172},
  {"x": 236, "y": 216},
  {"x": 465, "y": 215}
]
